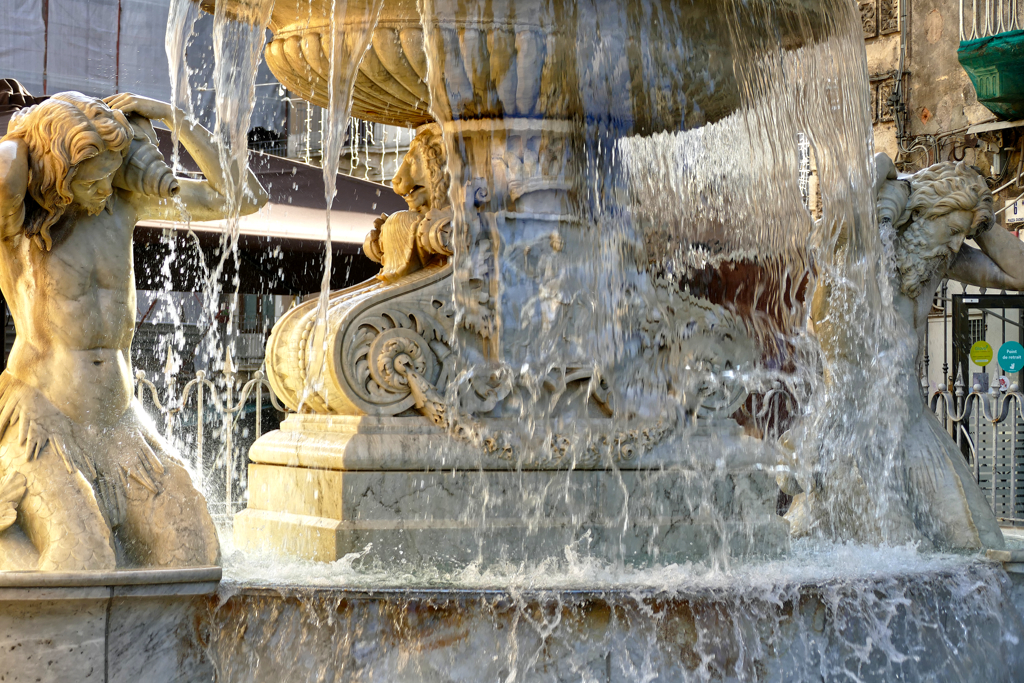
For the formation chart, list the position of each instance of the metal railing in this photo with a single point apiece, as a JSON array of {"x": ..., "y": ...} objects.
[
  {"x": 987, "y": 426},
  {"x": 206, "y": 452},
  {"x": 986, "y": 18}
]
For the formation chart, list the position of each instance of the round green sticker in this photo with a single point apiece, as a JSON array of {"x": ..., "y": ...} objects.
[
  {"x": 981, "y": 353},
  {"x": 1011, "y": 356}
]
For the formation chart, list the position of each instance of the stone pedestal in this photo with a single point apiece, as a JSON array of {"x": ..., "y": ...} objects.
[
  {"x": 131, "y": 626},
  {"x": 323, "y": 487}
]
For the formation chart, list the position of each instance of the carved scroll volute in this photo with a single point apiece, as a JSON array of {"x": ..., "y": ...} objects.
[
  {"x": 375, "y": 352},
  {"x": 375, "y": 331}
]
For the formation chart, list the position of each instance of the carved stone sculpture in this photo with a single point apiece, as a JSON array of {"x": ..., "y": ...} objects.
[
  {"x": 484, "y": 350},
  {"x": 86, "y": 482},
  {"x": 933, "y": 213},
  {"x": 406, "y": 241},
  {"x": 398, "y": 403}
]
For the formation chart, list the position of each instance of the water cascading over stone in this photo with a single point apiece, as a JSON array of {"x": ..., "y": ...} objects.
[{"x": 531, "y": 345}]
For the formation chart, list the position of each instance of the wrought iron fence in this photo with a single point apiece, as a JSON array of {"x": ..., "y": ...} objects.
[
  {"x": 985, "y": 18},
  {"x": 202, "y": 420},
  {"x": 988, "y": 428}
]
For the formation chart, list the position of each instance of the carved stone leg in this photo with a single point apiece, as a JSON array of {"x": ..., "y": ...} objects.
[{"x": 59, "y": 513}]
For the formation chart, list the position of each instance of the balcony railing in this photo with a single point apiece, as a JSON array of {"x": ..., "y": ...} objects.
[{"x": 986, "y": 18}]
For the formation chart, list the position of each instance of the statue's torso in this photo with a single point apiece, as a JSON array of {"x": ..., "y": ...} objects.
[
  {"x": 74, "y": 310},
  {"x": 914, "y": 312}
]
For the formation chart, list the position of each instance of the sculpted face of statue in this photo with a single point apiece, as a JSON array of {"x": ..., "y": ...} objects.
[
  {"x": 94, "y": 182},
  {"x": 75, "y": 145},
  {"x": 949, "y": 204}
]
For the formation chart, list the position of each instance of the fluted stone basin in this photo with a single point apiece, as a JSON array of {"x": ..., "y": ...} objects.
[{"x": 507, "y": 59}]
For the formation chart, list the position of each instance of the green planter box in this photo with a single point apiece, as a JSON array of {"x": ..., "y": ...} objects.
[{"x": 996, "y": 67}]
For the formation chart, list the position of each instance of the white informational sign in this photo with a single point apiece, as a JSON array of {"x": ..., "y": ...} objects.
[{"x": 1014, "y": 211}]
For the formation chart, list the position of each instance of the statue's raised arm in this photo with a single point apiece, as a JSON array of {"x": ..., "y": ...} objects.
[{"x": 204, "y": 199}]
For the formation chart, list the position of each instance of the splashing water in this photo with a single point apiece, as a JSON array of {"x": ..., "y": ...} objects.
[
  {"x": 344, "y": 46},
  {"x": 680, "y": 181},
  {"x": 238, "y": 40},
  {"x": 827, "y": 613},
  {"x": 655, "y": 200}
]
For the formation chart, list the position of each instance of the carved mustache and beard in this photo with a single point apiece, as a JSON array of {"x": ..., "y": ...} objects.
[{"x": 918, "y": 259}]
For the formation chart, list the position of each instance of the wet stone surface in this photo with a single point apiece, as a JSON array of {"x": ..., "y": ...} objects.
[{"x": 899, "y": 627}]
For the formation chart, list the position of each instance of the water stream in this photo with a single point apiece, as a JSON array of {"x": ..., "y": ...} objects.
[{"x": 344, "y": 45}]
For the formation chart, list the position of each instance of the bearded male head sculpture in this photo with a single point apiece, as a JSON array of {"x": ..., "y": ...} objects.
[{"x": 948, "y": 204}]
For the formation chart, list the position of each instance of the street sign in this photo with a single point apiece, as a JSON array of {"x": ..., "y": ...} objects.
[
  {"x": 1015, "y": 211},
  {"x": 1011, "y": 356},
  {"x": 981, "y": 353}
]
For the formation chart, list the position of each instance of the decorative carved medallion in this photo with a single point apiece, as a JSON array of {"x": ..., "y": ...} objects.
[{"x": 869, "y": 17}]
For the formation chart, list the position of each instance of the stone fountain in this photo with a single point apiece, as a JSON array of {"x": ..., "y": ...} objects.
[
  {"x": 423, "y": 373},
  {"x": 522, "y": 430}
]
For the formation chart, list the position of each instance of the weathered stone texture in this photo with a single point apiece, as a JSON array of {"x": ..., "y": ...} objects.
[
  {"x": 886, "y": 111},
  {"x": 869, "y": 17},
  {"x": 888, "y": 16}
]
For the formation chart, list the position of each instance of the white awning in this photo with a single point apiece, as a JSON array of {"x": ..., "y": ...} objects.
[{"x": 289, "y": 222}]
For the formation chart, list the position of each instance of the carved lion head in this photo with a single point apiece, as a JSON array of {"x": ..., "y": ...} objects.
[{"x": 423, "y": 178}]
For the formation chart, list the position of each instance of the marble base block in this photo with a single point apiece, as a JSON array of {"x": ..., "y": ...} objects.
[
  {"x": 323, "y": 503},
  {"x": 107, "y": 627}
]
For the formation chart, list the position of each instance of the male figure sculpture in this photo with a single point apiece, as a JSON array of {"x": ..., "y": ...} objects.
[
  {"x": 90, "y": 483},
  {"x": 406, "y": 241},
  {"x": 933, "y": 212}
]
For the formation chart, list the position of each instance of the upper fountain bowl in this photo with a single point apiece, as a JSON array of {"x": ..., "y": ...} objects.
[{"x": 652, "y": 65}]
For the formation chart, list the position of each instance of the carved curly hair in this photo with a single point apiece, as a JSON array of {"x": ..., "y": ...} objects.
[
  {"x": 429, "y": 137},
  {"x": 947, "y": 187},
  {"x": 935, "y": 192},
  {"x": 61, "y": 133}
]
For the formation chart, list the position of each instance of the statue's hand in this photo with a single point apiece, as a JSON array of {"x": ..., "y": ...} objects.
[
  {"x": 143, "y": 106},
  {"x": 371, "y": 245},
  {"x": 38, "y": 424}
]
